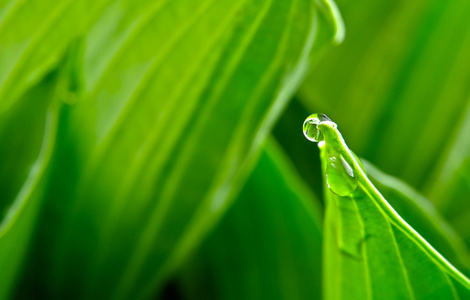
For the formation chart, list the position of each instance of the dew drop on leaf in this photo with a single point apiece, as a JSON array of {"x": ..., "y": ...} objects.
[
  {"x": 340, "y": 176},
  {"x": 310, "y": 129}
]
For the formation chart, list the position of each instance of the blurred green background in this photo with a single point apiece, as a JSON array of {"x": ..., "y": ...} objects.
[{"x": 153, "y": 149}]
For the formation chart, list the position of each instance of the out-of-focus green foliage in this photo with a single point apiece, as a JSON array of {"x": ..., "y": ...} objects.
[
  {"x": 450, "y": 189},
  {"x": 27, "y": 137},
  {"x": 129, "y": 128},
  {"x": 165, "y": 107},
  {"x": 267, "y": 246},
  {"x": 34, "y": 35}
]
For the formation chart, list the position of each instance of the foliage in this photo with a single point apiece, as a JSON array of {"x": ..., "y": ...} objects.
[{"x": 134, "y": 161}]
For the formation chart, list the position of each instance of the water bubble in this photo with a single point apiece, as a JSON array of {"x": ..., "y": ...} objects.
[
  {"x": 340, "y": 176},
  {"x": 310, "y": 129}
]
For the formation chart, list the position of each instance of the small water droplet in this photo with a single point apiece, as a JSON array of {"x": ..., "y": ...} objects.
[
  {"x": 310, "y": 129},
  {"x": 340, "y": 176}
]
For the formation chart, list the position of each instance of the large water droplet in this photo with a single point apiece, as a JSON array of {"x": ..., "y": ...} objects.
[
  {"x": 340, "y": 176},
  {"x": 310, "y": 129}
]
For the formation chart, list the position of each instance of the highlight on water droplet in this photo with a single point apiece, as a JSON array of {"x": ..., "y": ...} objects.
[
  {"x": 340, "y": 176},
  {"x": 310, "y": 129}
]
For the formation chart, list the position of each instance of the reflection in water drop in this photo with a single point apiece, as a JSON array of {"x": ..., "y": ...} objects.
[
  {"x": 340, "y": 176},
  {"x": 311, "y": 131}
]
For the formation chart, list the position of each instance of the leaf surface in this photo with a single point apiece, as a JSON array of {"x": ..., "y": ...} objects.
[
  {"x": 422, "y": 215},
  {"x": 267, "y": 246},
  {"x": 450, "y": 187},
  {"x": 177, "y": 98},
  {"x": 365, "y": 236},
  {"x": 27, "y": 139},
  {"x": 34, "y": 35}
]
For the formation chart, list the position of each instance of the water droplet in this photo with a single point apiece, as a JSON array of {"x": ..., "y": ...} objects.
[
  {"x": 340, "y": 176},
  {"x": 311, "y": 131}
]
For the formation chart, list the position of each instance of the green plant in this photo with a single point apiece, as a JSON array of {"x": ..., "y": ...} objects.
[{"x": 138, "y": 156}]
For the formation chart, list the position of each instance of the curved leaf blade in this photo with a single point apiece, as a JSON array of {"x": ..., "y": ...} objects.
[
  {"x": 34, "y": 35},
  {"x": 184, "y": 86},
  {"x": 27, "y": 139},
  {"x": 268, "y": 244},
  {"x": 450, "y": 187},
  {"x": 365, "y": 236},
  {"x": 421, "y": 214}
]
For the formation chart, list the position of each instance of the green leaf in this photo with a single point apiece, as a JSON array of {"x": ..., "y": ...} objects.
[
  {"x": 177, "y": 98},
  {"x": 370, "y": 251},
  {"x": 450, "y": 186},
  {"x": 27, "y": 139},
  {"x": 267, "y": 246},
  {"x": 421, "y": 214},
  {"x": 398, "y": 83},
  {"x": 34, "y": 35}
]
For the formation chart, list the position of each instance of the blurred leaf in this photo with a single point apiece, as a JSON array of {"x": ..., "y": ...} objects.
[
  {"x": 27, "y": 138},
  {"x": 366, "y": 237},
  {"x": 302, "y": 153},
  {"x": 177, "y": 98},
  {"x": 398, "y": 82},
  {"x": 450, "y": 188},
  {"x": 34, "y": 35},
  {"x": 267, "y": 246}
]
